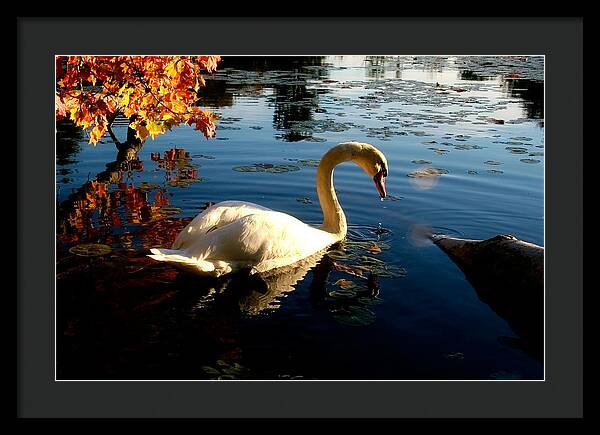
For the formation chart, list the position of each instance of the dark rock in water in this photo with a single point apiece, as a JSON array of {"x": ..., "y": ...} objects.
[{"x": 508, "y": 275}]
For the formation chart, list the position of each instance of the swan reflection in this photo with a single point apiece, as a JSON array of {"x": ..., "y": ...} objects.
[{"x": 263, "y": 292}]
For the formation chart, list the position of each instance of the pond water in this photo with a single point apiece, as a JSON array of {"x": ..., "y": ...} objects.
[{"x": 384, "y": 305}]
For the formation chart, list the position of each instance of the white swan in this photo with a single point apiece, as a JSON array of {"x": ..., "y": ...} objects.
[{"x": 235, "y": 235}]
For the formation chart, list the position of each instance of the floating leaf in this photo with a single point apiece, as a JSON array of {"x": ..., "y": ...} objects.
[
  {"x": 492, "y": 162},
  {"x": 421, "y": 162},
  {"x": 428, "y": 172},
  {"x": 226, "y": 371},
  {"x": 439, "y": 151},
  {"x": 369, "y": 300},
  {"x": 354, "y": 316},
  {"x": 465, "y": 146},
  {"x": 315, "y": 139},
  {"x": 517, "y": 150},
  {"x": 392, "y": 198},
  {"x": 530, "y": 161},
  {"x": 346, "y": 284},
  {"x": 144, "y": 185},
  {"x": 454, "y": 355},
  {"x": 374, "y": 249},
  {"x": 309, "y": 162},
  {"x": 304, "y": 200},
  {"x": 251, "y": 168},
  {"x": 211, "y": 371},
  {"x": 350, "y": 269},
  {"x": 90, "y": 250},
  {"x": 340, "y": 254},
  {"x": 266, "y": 167},
  {"x": 388, "y": 271},
  {"x": 170, "y": 210},
  {"x": 342, "y": 294}
]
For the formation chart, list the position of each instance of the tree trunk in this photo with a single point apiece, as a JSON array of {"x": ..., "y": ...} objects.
[{"x": 127, "y": 150}]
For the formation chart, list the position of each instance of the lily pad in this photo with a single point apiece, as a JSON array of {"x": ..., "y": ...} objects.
[
  {"x": 90, "y": 250},
  {"x": 466, "y": 146},
  {"x": 170, "y": 210},
  {"x": 517, "y": 150},
  {"x": 345, "y": 284},
  {"x": 421, "y": 162},
  {"x": 250, "y": 168},
  {"x": 454, "y": 355},
  {"x": 530, "y": 161},
  {"x": 428, "y": 172},
  {"x": 368, "y": 300},
  {"x": 492, "y": 162},
  {"x": 144, "y": 185},
  {"x": 226, "y": 371},
  {"x": 309, "y": 162},
  {"x": 439, "y": 151},
  {"x": 386, "y": 270},
  {"x": 266, "y": 167},
  {"x": 315, "y": 139},
  {"x": 392, "y": 198},
  {"x": 340, "y": 254},
  {"x": 304, "y": 200},
  {"x": 354, "y": 316}
]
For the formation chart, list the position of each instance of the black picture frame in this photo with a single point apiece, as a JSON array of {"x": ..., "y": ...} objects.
[{"x": 560, "y": 40}]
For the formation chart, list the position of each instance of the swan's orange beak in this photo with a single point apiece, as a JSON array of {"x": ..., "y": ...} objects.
[{"x": 379, "y": 180}]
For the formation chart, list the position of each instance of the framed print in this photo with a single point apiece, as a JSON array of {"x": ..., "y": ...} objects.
[{"x": 321, "y": 220}]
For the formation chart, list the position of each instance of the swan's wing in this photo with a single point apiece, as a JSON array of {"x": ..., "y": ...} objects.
[
  {"x": 267, "y": 239},
  {"x": 214, "y": 217}
]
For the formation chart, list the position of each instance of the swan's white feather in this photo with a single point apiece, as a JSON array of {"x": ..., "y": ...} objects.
[
  {"x": 242, "y": 235},
  {"x": 216, "y": 216}
]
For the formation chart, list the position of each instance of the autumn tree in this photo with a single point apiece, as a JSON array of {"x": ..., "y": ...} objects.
[{"x": 156, "y": 93}]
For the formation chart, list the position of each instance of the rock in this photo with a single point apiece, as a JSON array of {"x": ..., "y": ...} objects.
[{"x": 508, "y": 275}]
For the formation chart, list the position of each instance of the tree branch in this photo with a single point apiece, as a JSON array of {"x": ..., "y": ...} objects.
[
  {"x": 118, "y": 143},
  {"x": 113, "y": 137}
]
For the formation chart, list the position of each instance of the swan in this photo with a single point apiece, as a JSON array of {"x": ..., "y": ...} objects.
[{"x": 232, "y": 236}]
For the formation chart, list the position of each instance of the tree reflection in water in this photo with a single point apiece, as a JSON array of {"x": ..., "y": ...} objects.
[{"x": 106, "y": 207}]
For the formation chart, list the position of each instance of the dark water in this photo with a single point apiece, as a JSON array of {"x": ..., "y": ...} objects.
[{"x": 384, "y": 305}]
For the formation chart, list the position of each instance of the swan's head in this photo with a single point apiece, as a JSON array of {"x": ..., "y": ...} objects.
[{"x": 373, "y": 163}]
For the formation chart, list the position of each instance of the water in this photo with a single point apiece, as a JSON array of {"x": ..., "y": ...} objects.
[{"x": 384, "y": 305}]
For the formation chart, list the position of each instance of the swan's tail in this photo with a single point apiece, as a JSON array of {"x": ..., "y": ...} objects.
[{"x": 182, "y": 261}]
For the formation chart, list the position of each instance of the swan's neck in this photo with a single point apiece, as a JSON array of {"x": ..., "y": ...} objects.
[{"x": 334, "y": 220}]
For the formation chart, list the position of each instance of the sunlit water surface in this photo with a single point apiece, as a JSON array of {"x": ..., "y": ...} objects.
[{"x": 122, "y": 317}]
